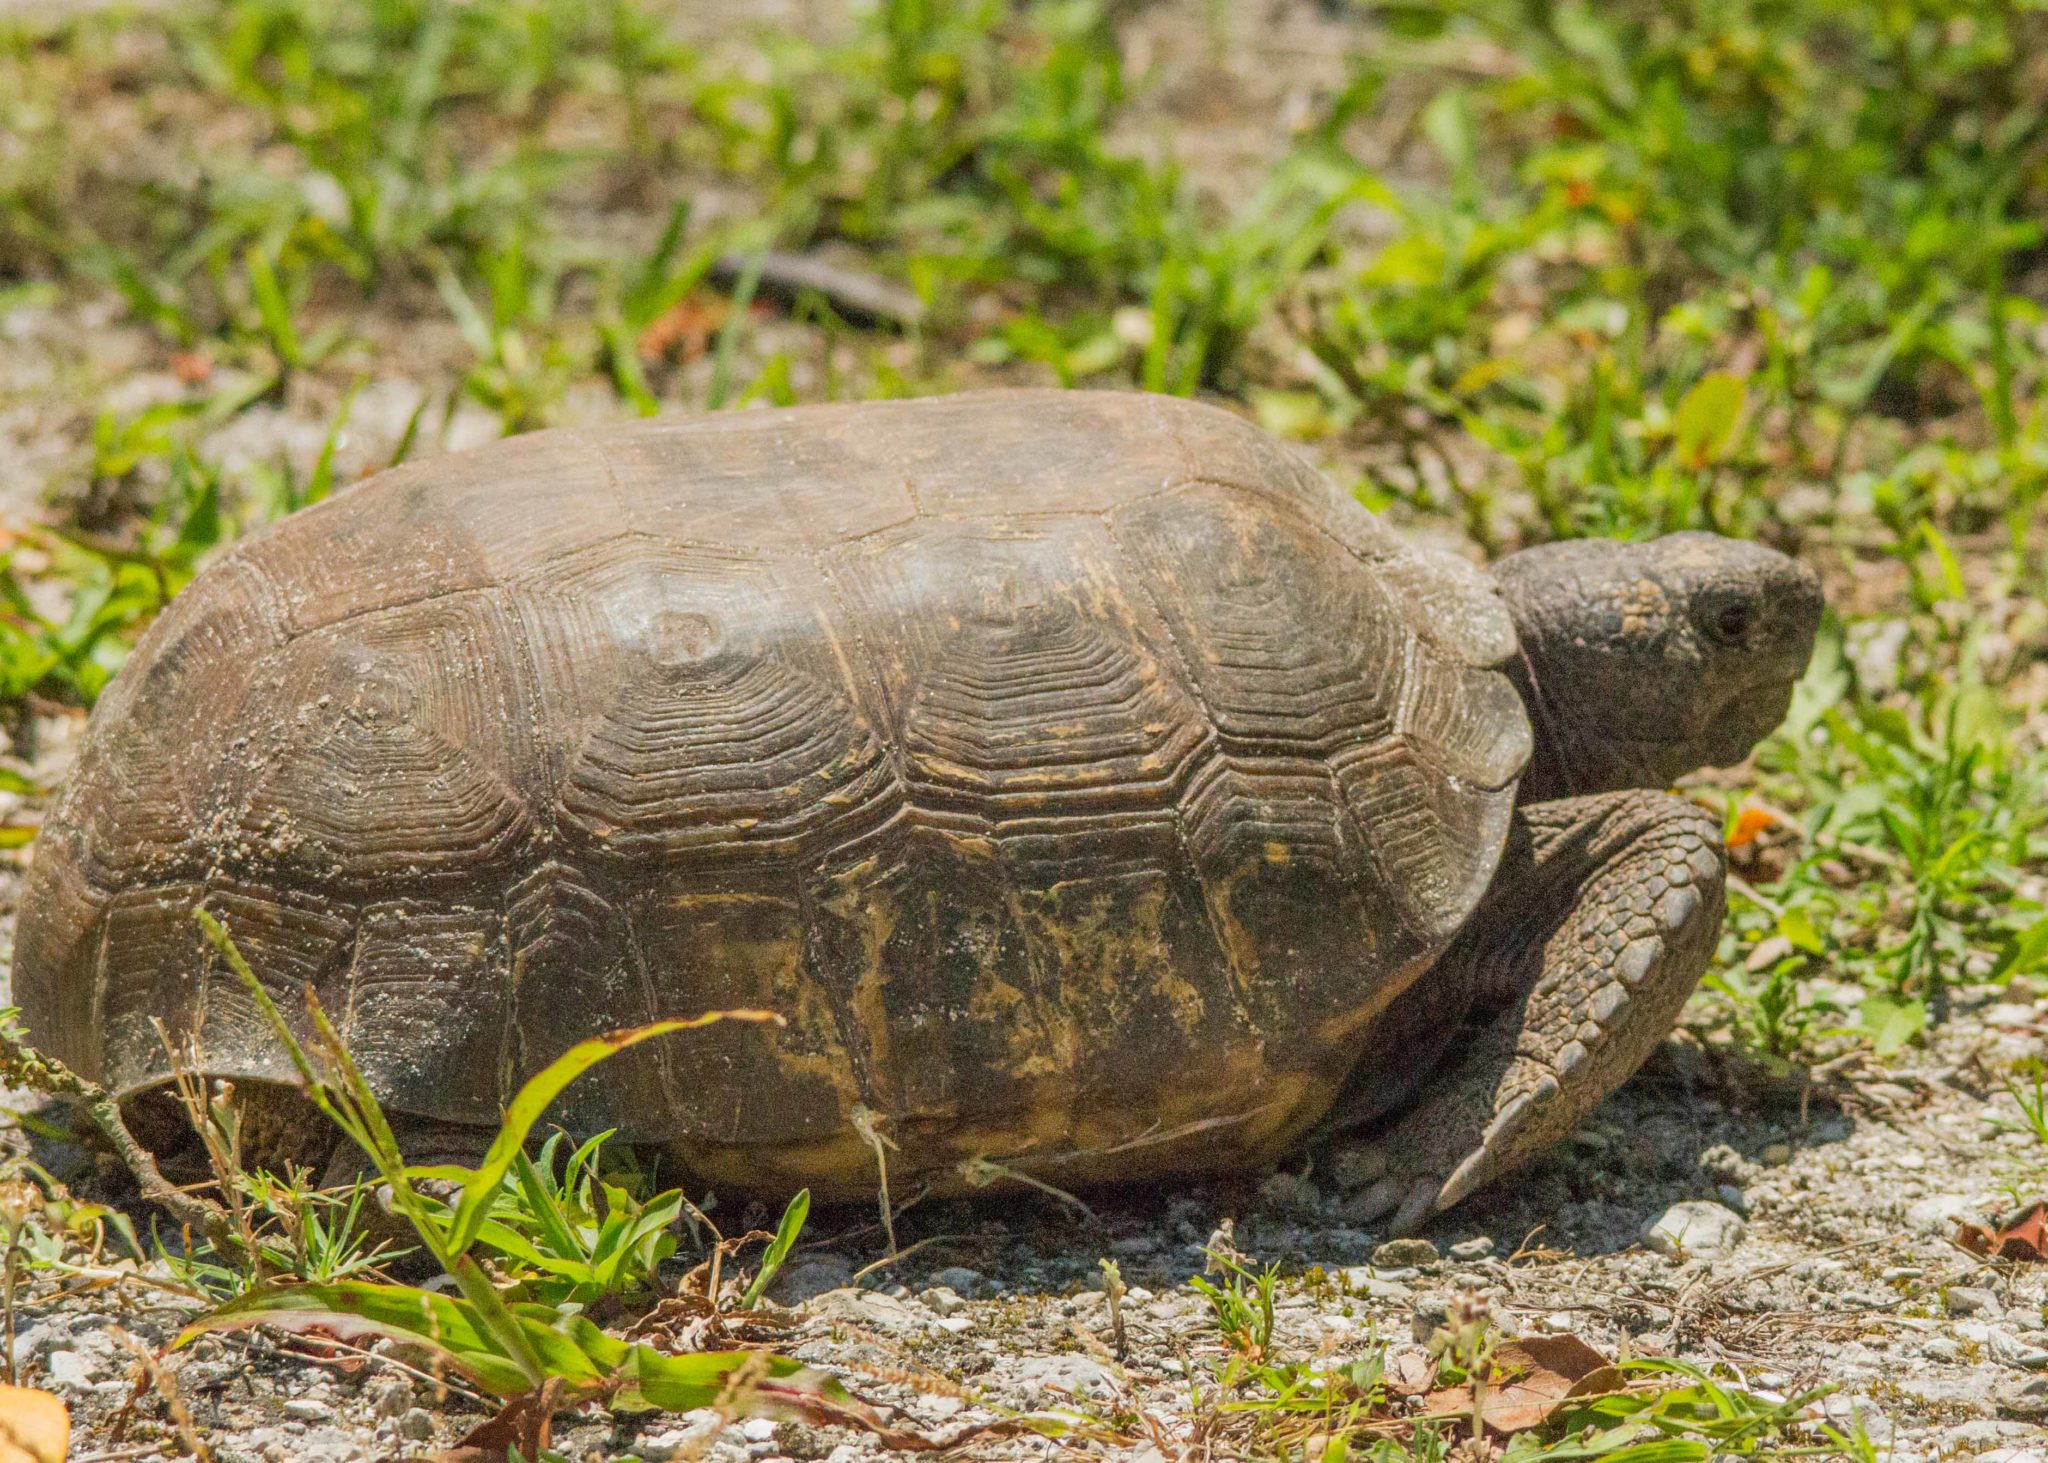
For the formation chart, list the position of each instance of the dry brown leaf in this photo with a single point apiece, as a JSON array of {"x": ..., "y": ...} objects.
[
  {"x": 526, "y": 1423},
  {"x": 686, "y": 330},
  {"x": 34, "y": 1426},
  {"x": 1529, "y": 1378},
  {"x": 2023, "y": 1237}
]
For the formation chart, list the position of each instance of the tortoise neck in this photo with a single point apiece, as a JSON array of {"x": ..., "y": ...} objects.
[{"x": 1546, "y": 776}]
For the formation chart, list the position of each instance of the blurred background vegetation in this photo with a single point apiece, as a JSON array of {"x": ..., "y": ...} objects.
[{"x": 1512, "y": 270}]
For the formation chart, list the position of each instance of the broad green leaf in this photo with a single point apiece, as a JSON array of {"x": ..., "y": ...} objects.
[
  {"x": 786, "y": 1232},
  {"x": 1706, "y": 418},
  {"x": 441, "y": 1323},
  {"x": 1663, "y": 1450},
  {"x": 1796, "y": 926},
  {"x": 1890, "y": 1023},
  {"x": 2025, "y": 951}
]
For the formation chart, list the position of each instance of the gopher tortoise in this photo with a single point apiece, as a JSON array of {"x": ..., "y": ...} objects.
[{"x": 1097, "y": 792}]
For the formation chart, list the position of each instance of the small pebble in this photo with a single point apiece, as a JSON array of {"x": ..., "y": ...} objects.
[
  {"x": 305, "y": 1409},
  {"x": 1937, "y": 1213},
  {"x": 960, "y": 1280},
  {"x": 1477, "y": 1248},
  {"x": 943, "y": 1300},
  {"x": 1361, "y": 1280},
  {"x": 1776, "y": 1155},
  {"x": 417, "y": 1424},
  {"x": 391, "y": 1397},
  {"x": 1398, "y": 1252},
  {"x": 68, "y": 1369},
  {"x": 2026, "y": 1400},
  {"x": 1694, "y": 1228},
  {"x": 807, "y": 1278},
  {"x": 1971, "y": 1300}
]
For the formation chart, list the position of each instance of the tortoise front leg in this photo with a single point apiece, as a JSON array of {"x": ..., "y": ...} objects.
[{"x": 1603, "y": 916}]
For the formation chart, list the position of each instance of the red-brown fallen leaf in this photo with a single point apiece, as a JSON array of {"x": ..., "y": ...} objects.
[
  {"x": 1530, "y": 1378},
  {"x": 686, "y": 330},
  {"x": 1752, "y": 823},
  {"x": 526, "y": 1423},
  {"x": 2022, "y": 1237}
]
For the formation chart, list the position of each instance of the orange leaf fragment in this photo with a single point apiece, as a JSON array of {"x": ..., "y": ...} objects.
[
  {"x": 686, "y": 331},
  {"x": 1752, "y": 823},
  {"x": 2023, "y": 1237},
  {"x": 1529, "y": 1380},
  {"x": 34, "y": 1426}
]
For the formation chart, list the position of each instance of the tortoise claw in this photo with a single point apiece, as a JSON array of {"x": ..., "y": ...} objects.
[
  {"x": 1424, "y": 1199},
  {"x": 1380, "y": 1199},
  {"x": 1410, "y": 1199}
]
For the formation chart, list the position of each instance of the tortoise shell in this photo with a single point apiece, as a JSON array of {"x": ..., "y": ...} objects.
[{"x": 1078, "y": 774}]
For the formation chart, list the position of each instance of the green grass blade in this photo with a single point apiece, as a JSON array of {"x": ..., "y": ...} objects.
[{"x": 792, "y": 1225}]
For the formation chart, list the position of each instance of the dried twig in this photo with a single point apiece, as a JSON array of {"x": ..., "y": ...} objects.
[
  {"x": 863, "y": 298},
  {"x": 157, "y": 1375},
  {"x": 21, "y": 1065}
]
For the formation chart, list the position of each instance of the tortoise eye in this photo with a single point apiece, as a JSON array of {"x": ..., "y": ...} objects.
[{"x": 1728, "y": 621}]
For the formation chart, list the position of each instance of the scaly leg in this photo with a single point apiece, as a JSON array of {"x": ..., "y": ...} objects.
[{"x": 1601, "y": 920}]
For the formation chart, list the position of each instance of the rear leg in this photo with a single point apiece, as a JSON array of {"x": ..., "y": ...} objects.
[{"x": 1603, "y": 916}]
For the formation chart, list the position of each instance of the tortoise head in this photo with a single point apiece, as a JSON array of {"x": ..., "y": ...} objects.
[{"x": 1641, "y": 662}]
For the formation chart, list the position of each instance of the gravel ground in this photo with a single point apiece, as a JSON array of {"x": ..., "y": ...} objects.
[{"x": 1818, "y": 1248}]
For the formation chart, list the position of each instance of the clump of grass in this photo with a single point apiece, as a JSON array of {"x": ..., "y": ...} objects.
[
  {"x": 515, "y": 1349},
  {"x": 1254, "y": 1397}
]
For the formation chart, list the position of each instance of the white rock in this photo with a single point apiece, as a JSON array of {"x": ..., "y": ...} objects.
[
  {"x": 872, "y": 1311},
  {"x": 1078, "y": 1376},
  {"x": 391, "y": 1397},
  {"x": 758, "y": 1429},
  {"x": 69, "y": 1369},
  {"x": 1937, "y": 1213},
  {"x": 1695, "y": 1227},
  {"x": 305, "y": 1409},
  {"x": 661, "y": 1446},
  {"x": 942, "y": 1300}
]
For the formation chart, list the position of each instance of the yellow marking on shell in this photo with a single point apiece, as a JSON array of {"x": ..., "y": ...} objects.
[
  {"x": 1277, "y": 854},
  {"x": 1237, "y": 1112}
]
